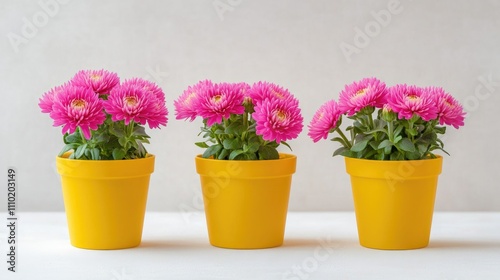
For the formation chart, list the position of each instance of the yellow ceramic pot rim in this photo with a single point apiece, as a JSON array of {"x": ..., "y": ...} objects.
[
  {"x": 284, "y": 166},
  {"x": 394, "y": 168},
  {"x": 128, "y": 168}
]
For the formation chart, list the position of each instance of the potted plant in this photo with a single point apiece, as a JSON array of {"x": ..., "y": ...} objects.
[
  {"x": 389, "y": 154},
  {"x": 245, "y": 180},
  {"x": 104, "y": 166}
]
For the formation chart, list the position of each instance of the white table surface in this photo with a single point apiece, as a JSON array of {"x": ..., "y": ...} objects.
[{"x": 318, "y": 245}]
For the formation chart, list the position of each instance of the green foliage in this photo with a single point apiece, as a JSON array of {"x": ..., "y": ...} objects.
[
  {"x": 112, "y": 141},
  {"x": 389, "y": 138},
  {"x": 236, "y": 139}
]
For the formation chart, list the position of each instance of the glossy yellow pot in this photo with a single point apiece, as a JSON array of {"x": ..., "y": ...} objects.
[
  {"x": 394, "y": 201},
  {"x": 246, "y": 202},
  {"x": 105, "y": 201}
]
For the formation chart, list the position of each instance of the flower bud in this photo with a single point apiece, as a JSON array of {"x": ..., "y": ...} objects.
[{"x": 388, "y": 114}]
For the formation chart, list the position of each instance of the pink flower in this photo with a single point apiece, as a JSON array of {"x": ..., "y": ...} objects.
[
  {"x": 264, "y": 90},
  {"x": 369, "y": 92},
  {"x": 277, "y": 119},
  {"x": 47, "y": 100},
  {"x": 100, "y": 81},
  {"x": 450, "y": 111},
  {"x": 325, "y": 120},
  {"x": 77, "y": 107},
  {"x": 187, "y": 104},
  {"x": 409, "y": 100},
  {"x": 158, "y": 114},
  {"x": 218, "y": 102},
  {"x": 147, "y": 86},
  {"x": 132, "y": 102}
]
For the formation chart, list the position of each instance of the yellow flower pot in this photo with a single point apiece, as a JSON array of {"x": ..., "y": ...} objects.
[
  {"x": 394, "y": 201},
  {"x": 105, "y": 201},
  {"x": 246, "y": 202}
]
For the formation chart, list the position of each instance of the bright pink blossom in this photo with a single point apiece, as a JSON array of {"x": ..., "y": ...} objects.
[
  {"x": 158, "y": 114},
  {"x": 187, "y": 104},
  {"x": 369, "y": 92},
  {"x": 409, "y": 100},
  {"x": 277, "y": 119},
  {"x": 131, "y": 102},
  {"x": 77, "y": 107},
  {"x": 325, "y": 120},
  {"x": 47, "y": 100},
  {"x": 219, "y": 101},
  {"x": 450, "y": 111},
  {"x": 264, "y": 90},
  {"x": 100, "y": 81}
]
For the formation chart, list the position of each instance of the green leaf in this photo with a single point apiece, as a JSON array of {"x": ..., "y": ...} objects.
[
  {"x": 267, "y": 152},
  {"x": 212, "y": 150},
  {"x": 141, "y": 150},
  {"x": 359, "y": 146},
  {"x": 95, "y": 154},
  {"x": 412, "y": 132},
  {"x": 440, "y": 129},
  {"x": 250, "y": 156},
  {"x": 123, "y": 141},
  {"x": 140, "y": 131},
  {"x": 223, "y": 154},
  {"x": 286, "y": 144},
  {"x": 235, "y": 128},
  {"x": 118, "y": 153},
  {"x": 422, "y": 148},
  {"x": 73, "y": 138},
  {"x": 384, "y": 144},
  {"x": 406, "y": 145},
  {"x": 340, "y": 151},
  {"x": 397, "y": 156},
  {"x": 80, "y": 151},
  {"x": 253, "y": 147},
  {"x": 202, "y": 145},
  {"x": 219, "y": 132},
  {"x": 340, "y": 140},
  {"x": 412, "y": 155},
  {"x": 235, "y": 154},
  {"x": 388, "y": 150},
  {"x": 232, "y": 144},
  {"x": 398, "y": 130},
  {"x": 66, "y": 148},
  {"x": 397, "y": 139},
  {"x": 117, "y": 132}
]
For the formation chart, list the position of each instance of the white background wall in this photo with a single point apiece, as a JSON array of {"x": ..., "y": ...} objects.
[{"x": 453, "y": 44}]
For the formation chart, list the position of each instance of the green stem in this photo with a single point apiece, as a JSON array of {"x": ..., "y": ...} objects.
[
  {"x": 372, "y": 126},
  {"x": 390, "y": 130},
  {"x": 130, "y": 129},
  {"x": 84, "y": 140},
  {"x": 245, "y": 120},
  {"x": 342, "y": 135}
]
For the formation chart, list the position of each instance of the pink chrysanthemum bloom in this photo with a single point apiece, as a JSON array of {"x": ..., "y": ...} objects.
[
  {"x": 324, "y": 121},
  {"x": 278, "y": 120},
  {"x": 369, "y": 92},
  {"x": 78, "y": 107},
  {"x": 158, "y": 114},
  {"x": 100, "y": 81},
  {"x": 147, "y": 86},
  {"x": 186, "y": 105},
  {"x": 219, "y": 101},
  {"x": 132, "y": 102},
  {"x": 264, "y": 90},
  {"x": 47, "y": 100},
  {"x": 450, "y": 111},
  {"x": 409, "y": 100}
]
